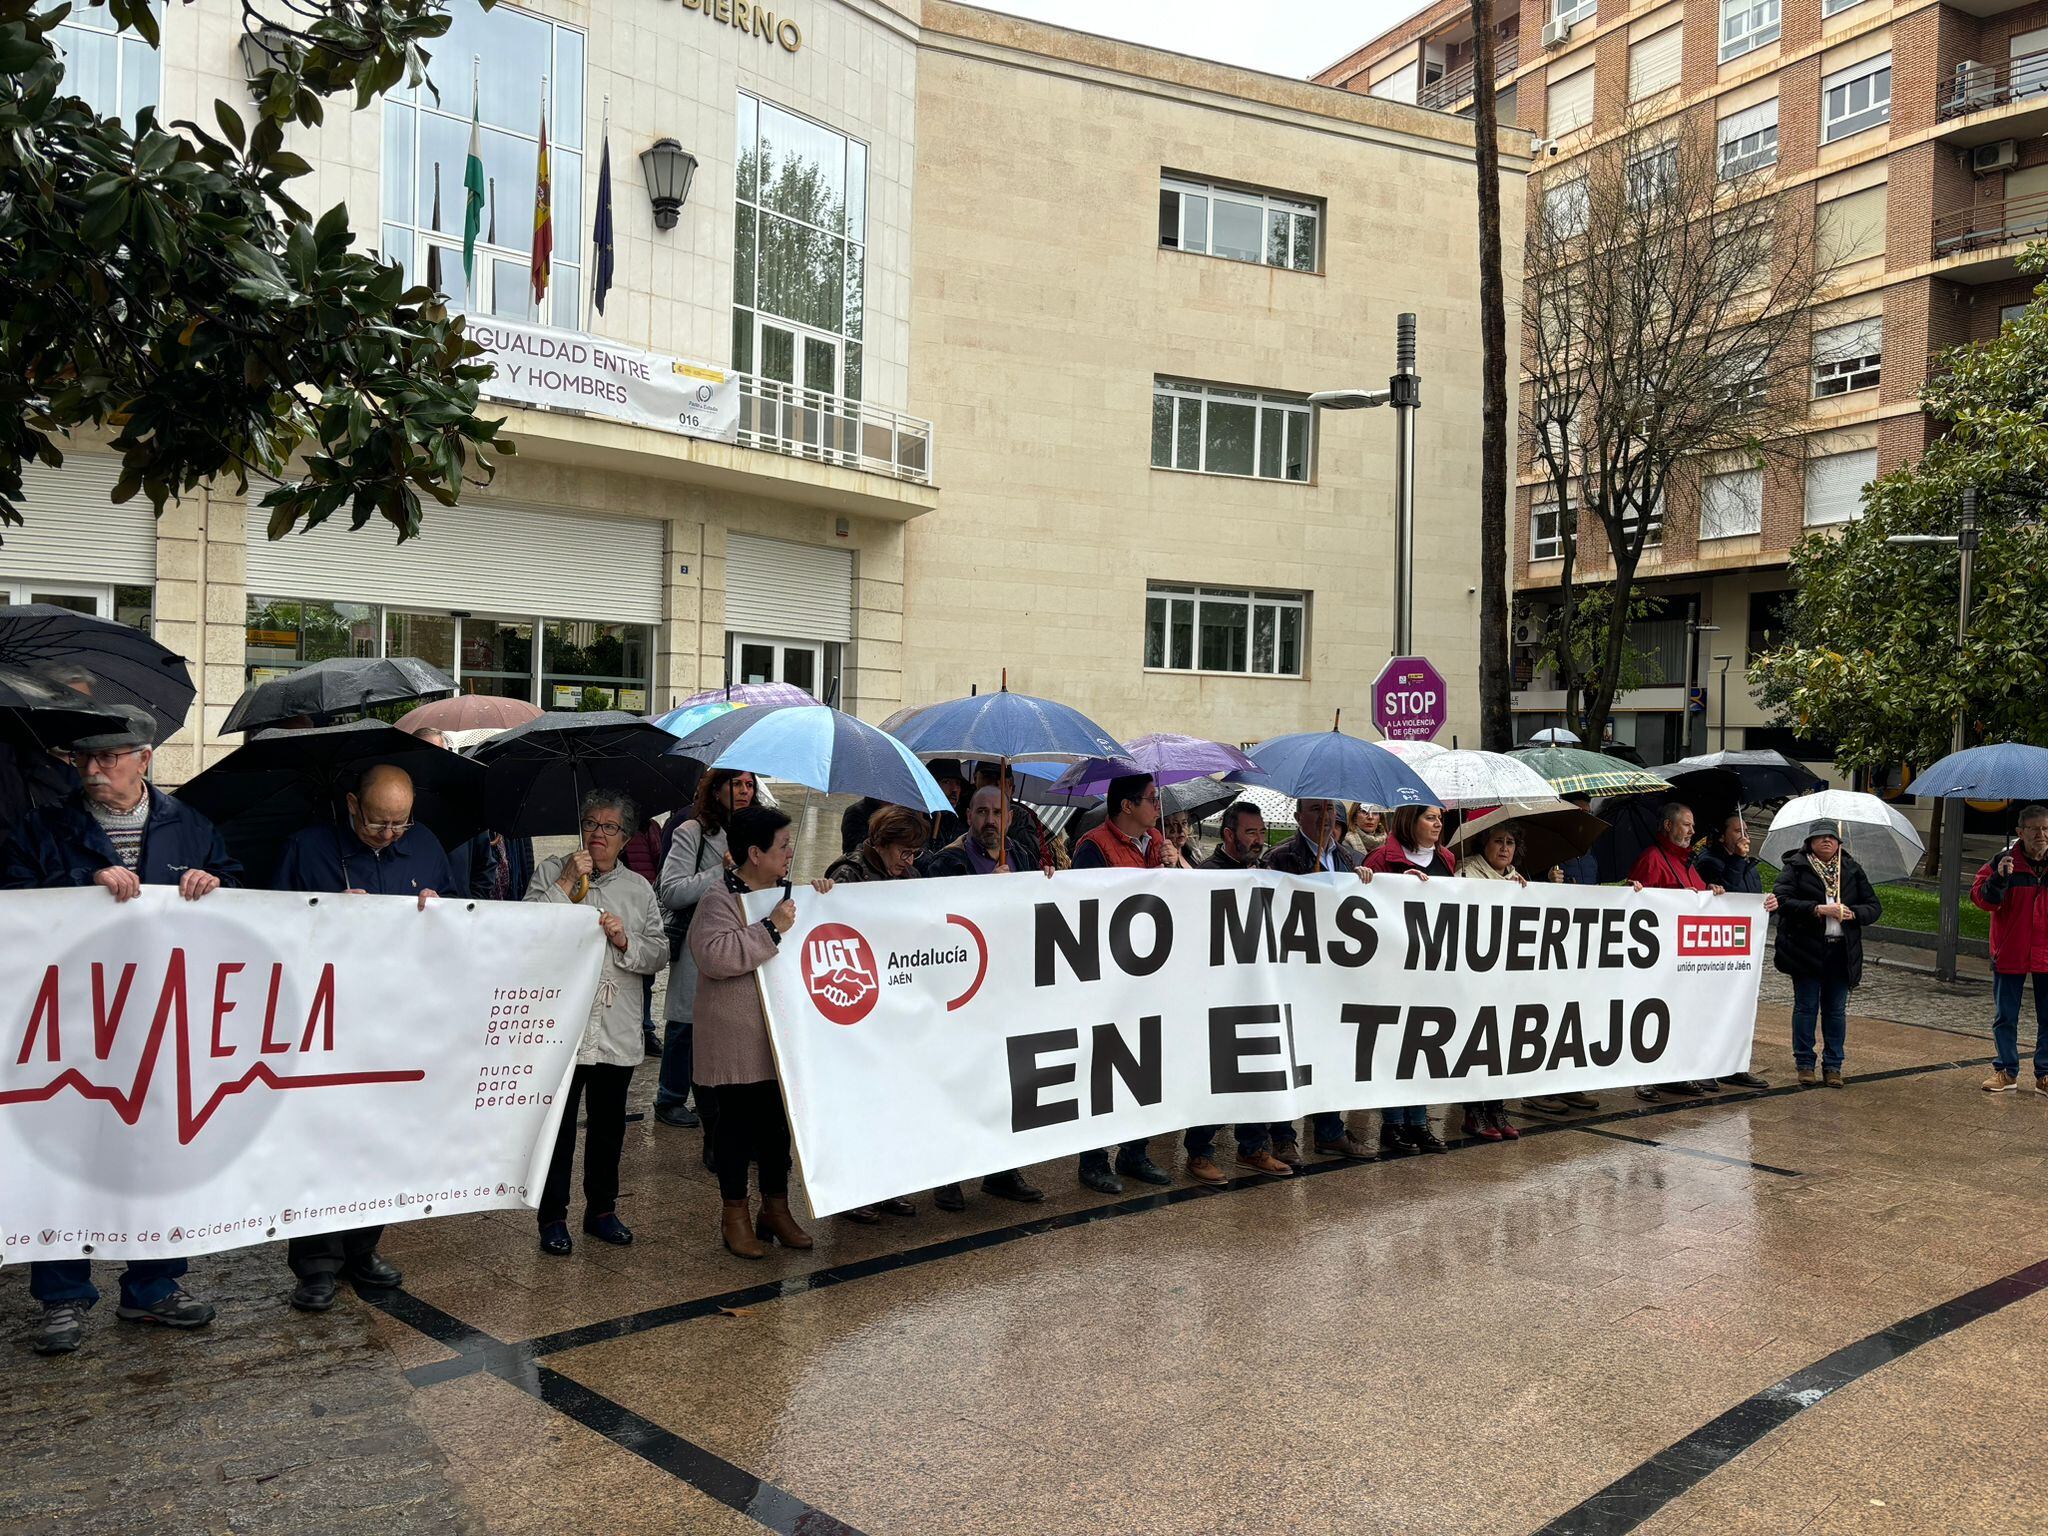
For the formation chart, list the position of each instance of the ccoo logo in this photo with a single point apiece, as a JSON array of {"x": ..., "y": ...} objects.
[
  {"x": 1713, "y": 935},
  {"x": 839, "y": 973}
]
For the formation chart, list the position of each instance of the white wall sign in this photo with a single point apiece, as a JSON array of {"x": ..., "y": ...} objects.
[{"x": 569, "y": 371}]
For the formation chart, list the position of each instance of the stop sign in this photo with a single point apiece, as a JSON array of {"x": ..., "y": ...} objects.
[{"x": 1408, "y": 699}]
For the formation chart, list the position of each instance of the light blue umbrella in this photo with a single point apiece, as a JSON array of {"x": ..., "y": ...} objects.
[
  {"x": 816, "y": 745},
  {"x": 2007, "y": 770},
  {"x": 1005, "y": 727},
  {"x": 1328, "y": 765}
]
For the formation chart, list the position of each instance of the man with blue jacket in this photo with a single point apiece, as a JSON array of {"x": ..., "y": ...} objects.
[{"x": 119, "y": 832}]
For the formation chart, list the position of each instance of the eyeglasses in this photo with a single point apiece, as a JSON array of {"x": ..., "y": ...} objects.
[
  {"x": 111, "y": 755},
  {"x": 605, "y": 828},
  {"x": 396, "y": 828}
]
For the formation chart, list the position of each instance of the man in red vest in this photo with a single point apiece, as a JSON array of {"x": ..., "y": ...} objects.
[{"x": 1666, "y": 865}]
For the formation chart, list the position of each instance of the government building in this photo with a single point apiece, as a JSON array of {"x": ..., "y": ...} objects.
[{"x": 941, "y": 346}]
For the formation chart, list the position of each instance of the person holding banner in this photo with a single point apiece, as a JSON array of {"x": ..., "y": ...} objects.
[
  {"x": 695, "y": 865},
  {"x": 119, "y": 832},
  {"x": 1414, "y": 846},
  {"x": 636, "y": 944},
  {"x": 1728, "y": 863},
  {"x": 1825, "y": 901},
  {"x": 1668, "y": 865},
  {"x": 735, "y": 1065},
  {"x": 1495, "y": 860},
  {"x": 2013, "y": 888}
]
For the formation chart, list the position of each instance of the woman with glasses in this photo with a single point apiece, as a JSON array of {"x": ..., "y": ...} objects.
[
  {"x": 594, "y": 878},
  {"x": 694, "y": 867}
]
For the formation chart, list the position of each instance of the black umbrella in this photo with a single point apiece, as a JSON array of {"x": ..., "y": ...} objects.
[
  {"x": 329, "y": 687},
  {"x": 35, "y": 712},
  {"x": 1711, "y": 794},
  {"x": 1200, "y": 798},
  {"x": 1761, "y": 775},
  {"x": 279, "y": 781},
  {"x": 121, "y": 663},
  {"x": 539, "y": 772}
]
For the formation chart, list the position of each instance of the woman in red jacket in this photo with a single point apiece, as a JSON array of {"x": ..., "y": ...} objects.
[{"x": 1414, "y": 846}]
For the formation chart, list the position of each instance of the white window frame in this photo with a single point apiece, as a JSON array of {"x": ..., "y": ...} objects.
[
  {"x": 1848, "y": 357},
  {"x": 1840, "y": 117},
  {"x": 1747, "y": 25},
  {"x": 1654, "y": 516},
  {"x": 131, "y": 53},
  {"x": 1863, "y": 456},
  {"x": 1836, "y": 7},
  {"x": 1548, "y": 546},
  {"x": 1740, "y": 492},
  {"x": 1297, "y": 211},
  {"x": 1571, "y": 12},
  {"x": 1748, "y": 140},
  {"x": 1296, "y": 414},
  {"x": 1255, "y": 601},
  {"x": 1572, "y": 196},
  {"x": 1651, "y": 173}
]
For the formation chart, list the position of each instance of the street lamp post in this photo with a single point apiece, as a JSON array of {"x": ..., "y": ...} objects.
[
  {"x": 1721, "y": 683},
  {"x": 1404, "y": 394},
  {"x": 1693, "y": 630}
]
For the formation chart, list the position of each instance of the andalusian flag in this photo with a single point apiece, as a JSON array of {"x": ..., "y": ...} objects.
[
  {"x": 543, "y": 216},
  {"x": 473, "y": 194}
]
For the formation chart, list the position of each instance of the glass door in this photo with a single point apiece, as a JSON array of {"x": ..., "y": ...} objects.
[
  {"x": 800, "y": 370},
  {"x": 96, "y": 601},
  {"x": 758, "y": 659}
]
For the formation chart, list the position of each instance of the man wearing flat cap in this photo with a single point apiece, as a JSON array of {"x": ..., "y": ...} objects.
[{"x": 119, "y": 832}]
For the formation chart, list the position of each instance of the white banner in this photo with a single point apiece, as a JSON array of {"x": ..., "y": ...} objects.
[
  {"x": 929, "y": 1031},
  {"x": 571, "y": 371},
  {"x": 182, "y": 1077}
]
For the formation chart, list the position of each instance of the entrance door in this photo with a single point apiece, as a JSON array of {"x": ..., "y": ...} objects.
[
  {"x": 758, "y": 659},
  {"x": 806, "y": 366},
  {"x": 97, "y": 601}
]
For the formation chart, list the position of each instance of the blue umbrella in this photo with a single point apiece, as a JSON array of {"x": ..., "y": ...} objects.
[
  {"x": 1328, "y": 765},
  {"x": 1005, "y": 726},
  {"x": 819, "y": 746},
  {"x": 2007, "y": 770}
]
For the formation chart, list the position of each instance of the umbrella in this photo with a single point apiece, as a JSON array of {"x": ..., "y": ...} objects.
[
  {"x": 824, "y": 748},
  {"x": 1006, "y": 727},
  {"x": 1760, "y": 774},
  {"x": 1328, "y": 765},
  {"x": 750, "y": 693},
  {"x": 1554, "y": 736},
  {"x": 125, "y": 665},
  {"x": 1167, "y": 757},
  {"x": 328, "y": 687},
  {"x": 37, "y": 713},
  {"x": 540, "y": 771},
  {"x": 1203, "y": 798},
  {"x": 1482, "y": 778},
  {"x": 1413, "y": 753},
  {"x": 687, "y": 719},
  {"x": 1877, "y": 837},
  {"x": 1552, "y": 832},
  {"x": 469, "y": 712},
  {"x": 279, "y": 781},
  {"x": 1635, "y": 820},
  {"x": 2007, "y": 770},
  {"x": 1574, "y": 771}
]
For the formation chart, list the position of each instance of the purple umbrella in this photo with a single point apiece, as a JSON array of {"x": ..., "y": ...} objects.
[
  {"x": 757, "y": 694},
  {"x": 1167, "y": 757}
]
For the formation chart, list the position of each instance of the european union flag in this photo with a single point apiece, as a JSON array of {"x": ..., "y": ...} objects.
[{"x": 601, "y": 230}]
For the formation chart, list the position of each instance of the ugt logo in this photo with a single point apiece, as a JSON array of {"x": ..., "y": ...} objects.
[
  {"x": 1713, "y": 935},
  {"x": 839, "y": 973}
]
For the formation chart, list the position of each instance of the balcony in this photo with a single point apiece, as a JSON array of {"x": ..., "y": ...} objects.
[
  {"x": 1456, "y": 85},
  {"x": 1983, "y": 226},
  {"x": 1975, "y": 101},
  {"x": 809, "y": 424}
]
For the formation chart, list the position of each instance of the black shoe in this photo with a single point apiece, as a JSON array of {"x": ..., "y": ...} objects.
[
  {"x": 863, "y": 1216},
  {"x": 1143, "y": 1169},
  {"x": 950, "y": 1197},
  {"x": 554, "y": 1239},
  {"x": 1650, "y": 1094},
  {"x": 1423, "y": 1139},
  {"x": 62, "y": 1329},
  {"x": 1745, "y": 1080},
  {"x": 679, "y": 1115},
  {"x": 315, "y": 1293},
  {"x": 1394, "y": 1144},
  {"x": 1101, "y": 1180},
  {"x": 898, "y": 1206},
  {"x": 651, "y": 1043},
  {"x": 609, "y": 1229},
  {"x": 176, "y": 1310},
  {"x": 1011, "y": 1186},
  {"x": 1705, "y": 1085},
  {"x": 374, "y": 1272}
]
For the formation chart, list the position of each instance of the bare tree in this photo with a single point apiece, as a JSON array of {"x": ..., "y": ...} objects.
[
  {"x": 1496, "y": 728},
  {"x": 1665, "y": 300}
]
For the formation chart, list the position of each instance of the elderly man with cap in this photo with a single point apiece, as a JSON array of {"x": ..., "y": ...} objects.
[
  {"x": 120, "y": 832},
  {"x": 1825, "y": 901},
  {"x": 380, "y": 852}
]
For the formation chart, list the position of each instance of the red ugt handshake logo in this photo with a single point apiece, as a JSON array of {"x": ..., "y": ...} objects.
[{"x": 839, "y": 973}]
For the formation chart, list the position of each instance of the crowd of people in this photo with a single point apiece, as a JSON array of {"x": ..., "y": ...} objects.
[{"x": 667, "y": 892}]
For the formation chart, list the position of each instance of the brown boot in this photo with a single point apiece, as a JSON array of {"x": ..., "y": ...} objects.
[
  {"x": 738, "y": 1231},
  {"x": 776, "y": 1222}
]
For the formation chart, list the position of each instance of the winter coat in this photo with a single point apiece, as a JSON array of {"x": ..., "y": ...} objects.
[
  {"x": 1390, "y": 858},
  {"x": 955, "y": 859},
  {"x": 1475, "y": 867},
  {"x": 1297, "y": 856},
  {"x": 332, "y": 858},
  {"x": 731, "y": 1033},
  {"x": 1222, "y": 860},
  {"x": 2018, "y": 904},
  {"x": 1736, "y": 873},
  {"x": 60, "y": 845},
  {"x": 612, "y": 1035},
  {"x": 1664, "y": 866},
  {"x": 1107, "y": 848},
  {"x": 695, "y": 866},
  {"x": 1802, "y": 946},
  {"x": 643, "y": 853},
  {"x": 856, "y": 867}
]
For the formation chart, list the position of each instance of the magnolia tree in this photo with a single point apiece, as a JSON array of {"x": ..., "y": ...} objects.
[
  {"x": 1665, "y": 299},
  {"x": 159, "y": 285}
]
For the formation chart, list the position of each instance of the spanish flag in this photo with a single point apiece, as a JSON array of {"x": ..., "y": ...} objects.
[{"x": 543, "y": 221}]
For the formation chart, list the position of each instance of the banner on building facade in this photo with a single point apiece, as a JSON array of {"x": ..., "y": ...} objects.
[
  {"x": 929, "y": 1031},
  {"x": 571, "y": 371},
  {"x": 182, "y": 1077}
]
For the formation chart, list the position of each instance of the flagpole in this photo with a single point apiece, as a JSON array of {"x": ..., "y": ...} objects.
[
  {"x": 590, "y": 258},
  {"x": 469, "y": 240}
]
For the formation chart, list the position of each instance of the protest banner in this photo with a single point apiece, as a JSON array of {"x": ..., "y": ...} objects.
[
  {"x": 181, "y": 1077},
  {"x": 931, "y": 1031},
  {"x": 570, "y": 371}
]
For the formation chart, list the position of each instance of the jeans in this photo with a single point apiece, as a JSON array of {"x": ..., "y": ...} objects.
[
  {"x": 752, "y": 1132},
  {"x": 2005, "y": 1025},
  {"x": 1256, "y": 1138},
  {"x": 1099, "y": 1160},
  {"x": 647, "y": 1004},
  {"x": 1826, "y": 998},
  {"x": 144, "y": 1283},
  {"x": 678, "y": 1042},
  {"x": 329, "y": 1253},
  {"x": 1407, "y": 1114},
  {"x": 601, "y": 1087}
]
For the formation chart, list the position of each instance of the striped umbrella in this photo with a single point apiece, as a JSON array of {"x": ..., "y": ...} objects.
[{"x": 1575, "y": 771}]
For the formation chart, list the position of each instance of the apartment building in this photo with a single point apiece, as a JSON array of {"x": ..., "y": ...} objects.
[{"x": 1916, "y": 134}]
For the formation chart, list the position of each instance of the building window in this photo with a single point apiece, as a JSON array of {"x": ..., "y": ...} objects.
[
  {"x": 1770, "y": 620},
  {"x": 1573, "y": 10},
  {"x": 1732, "y": 505},
  {"x": 1747, "y": 25},
  {"x": 1749, "y": 139},
  {"x": 1219, "y": 431},
  {"x": 1851, "y": 228},
  {"x": 1834, "y": 486},
  {"x": 1747, "y": 371},
  {"x": 1546, "y": 532},
  {"x": 1569, "y": 103},
  {"x": 1651, "y": 175},
  {"x": 116, "y": 75},
  {"x": 1566, "y": 206},
  {"x": 1654, "y": 63},
  {"x": 1652, "y": 519},
  {"x": 799, "y": 252},
  {"x": 2010, "y": 314},
  {"x": 426, "y": 152},
  {"x": 1848, "y": 357},
  {"x": 1224, "y": 629},
  {"x": 1240, "y": 224},
  {"x": 1856, "y": 98},
  {"x": 1831, "y": 7}
]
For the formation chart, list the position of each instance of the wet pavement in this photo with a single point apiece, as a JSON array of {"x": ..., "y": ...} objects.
[{"x": 1797, "y": 1310}]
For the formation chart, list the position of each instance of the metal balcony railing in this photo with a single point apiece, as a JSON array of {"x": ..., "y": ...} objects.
[
  {"x": 1457, "y": 84},
  {"x": 1978, "y": 86},
  {"x": 1982, "y": 224},
  {"x": 787, "y": 418}
]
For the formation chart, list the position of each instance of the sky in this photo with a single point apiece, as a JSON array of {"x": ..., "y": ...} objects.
[{"x": 1297, "y": 39}]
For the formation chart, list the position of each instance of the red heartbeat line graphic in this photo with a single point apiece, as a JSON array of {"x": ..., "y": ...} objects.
[{"x": 129, "y": 1104}]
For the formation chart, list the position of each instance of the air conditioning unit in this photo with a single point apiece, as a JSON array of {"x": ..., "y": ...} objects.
[
  {"x": 1529, "y": 629},
  {"x": 1976, "y": 85},
  {"x": 1556, "y": 31},
  {"x": 1987, "y": 158}
]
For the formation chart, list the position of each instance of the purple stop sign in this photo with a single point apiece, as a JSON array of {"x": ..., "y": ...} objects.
[{"x": 1408, "y": 699}]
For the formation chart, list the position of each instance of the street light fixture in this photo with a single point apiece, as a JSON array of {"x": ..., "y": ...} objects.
[
  {"x": 1404, "y": 394},
  {"x": 1721, "y": 728},
  {"x": 1693, "y": 630}
]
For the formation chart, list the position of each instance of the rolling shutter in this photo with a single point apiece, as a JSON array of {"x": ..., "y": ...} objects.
[
  {"x": 74, "y": 533},
  {"x": 1834, "y": 485},
  {"x": 1653, "y": 63},
  {"x": 1570, "y": 102},
  {"x": 792, "y": 591},
  {"x": 483, "y": 556}
]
